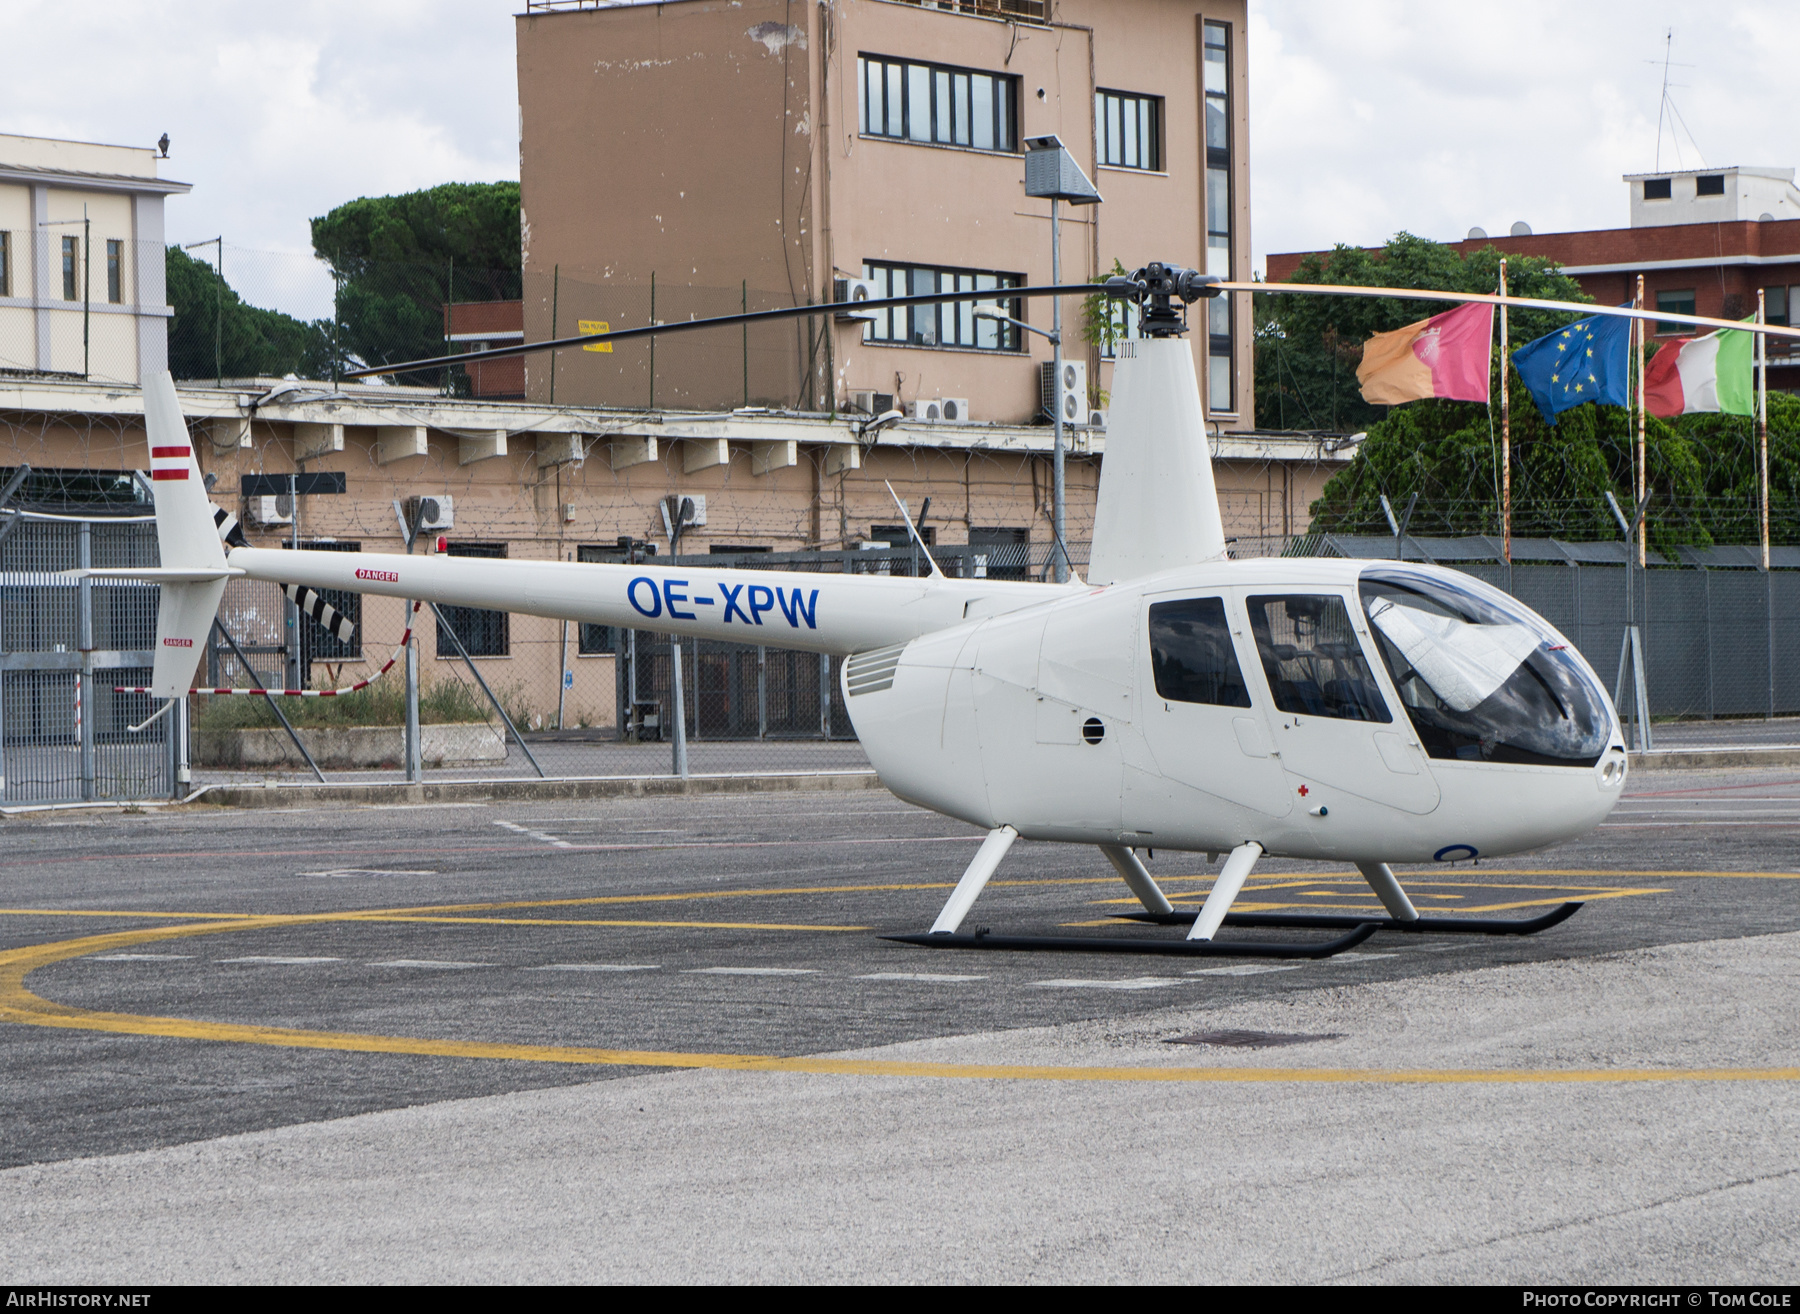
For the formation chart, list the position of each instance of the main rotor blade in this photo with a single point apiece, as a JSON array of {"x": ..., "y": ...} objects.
[
  {"x": 729, "y": 321},
  {"x": 1064, "y": 289},
  {"x": 1492, "y": 299}
]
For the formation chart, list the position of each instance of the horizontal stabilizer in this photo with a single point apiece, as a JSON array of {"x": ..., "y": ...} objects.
[{"x": 324, "y": 615}]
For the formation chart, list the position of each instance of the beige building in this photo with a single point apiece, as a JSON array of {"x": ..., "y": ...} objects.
[
  {"x": 81, "y": 260},
  {"x": 761, "y": 153}
]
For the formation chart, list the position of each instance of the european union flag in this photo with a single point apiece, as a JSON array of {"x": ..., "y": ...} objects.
[{"x": 1589, "y": 361}]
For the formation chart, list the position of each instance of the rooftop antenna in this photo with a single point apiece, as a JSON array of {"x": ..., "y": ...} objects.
[{"x": 1667, "y": 110}]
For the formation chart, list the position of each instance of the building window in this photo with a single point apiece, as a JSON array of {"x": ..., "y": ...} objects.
[
  {"x": 1007, "y": 549},
  {"x": 952, "y": 324},
  {"x": 5, "y": 264},
  {"x": 1711, "y": 184},
  {"x": 1217, "y": 39},
  {"x": 1676, "y": 303},
  {"x": 901, "y": 557},
  {"x": 115, "y": 270},
  {"x": 1775, "y": 306},
  {"x": 484, "y": 633},
  {"x": 1128, "y": 129},
  {"x": 1121, "y": 326},
  {"x": 318, "y": 644},
  {"x": 594, "y": 640},
  {"x": 1657, "y": 189},
  {"x": 71, "y": 251},
  {"x": 937, "y": 104}
]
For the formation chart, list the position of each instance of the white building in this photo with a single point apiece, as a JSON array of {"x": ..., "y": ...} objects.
[
  {"x": 1705, "y": 196},
  {"x": 81, "y": 260}
]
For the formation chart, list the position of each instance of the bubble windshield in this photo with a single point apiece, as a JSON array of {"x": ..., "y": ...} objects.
[{"x": 1483, "y": 679}]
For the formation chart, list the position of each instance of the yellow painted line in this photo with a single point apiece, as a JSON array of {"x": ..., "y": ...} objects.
[
  {"x": 735, "y": 894},
  {"x": 17, "y": 1004},
  {"x": 572, "y": 921}
]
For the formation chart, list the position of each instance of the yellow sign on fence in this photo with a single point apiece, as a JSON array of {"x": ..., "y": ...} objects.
[{"x": 594, "y": 326}]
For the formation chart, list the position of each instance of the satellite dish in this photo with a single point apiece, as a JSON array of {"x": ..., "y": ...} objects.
[
  {"x": 1521, "y": 229},
  {"x": 1477, "y": 234}
]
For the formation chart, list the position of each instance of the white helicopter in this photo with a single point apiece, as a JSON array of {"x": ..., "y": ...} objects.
[{"x": 1352, "y": 711}]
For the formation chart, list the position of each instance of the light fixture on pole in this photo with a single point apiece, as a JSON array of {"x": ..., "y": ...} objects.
[{"x": 1051, "y": 172}]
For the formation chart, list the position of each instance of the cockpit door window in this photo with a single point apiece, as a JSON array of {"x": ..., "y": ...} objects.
[
  {"x": 1191, "y": 656},
  {"x": 1312, "y": 658}
]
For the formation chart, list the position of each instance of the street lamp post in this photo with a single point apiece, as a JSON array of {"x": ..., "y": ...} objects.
[{"x": 1051, "y": 172}]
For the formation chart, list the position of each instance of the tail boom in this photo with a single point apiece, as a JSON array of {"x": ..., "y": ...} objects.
[{"x": 815, "y": 612}]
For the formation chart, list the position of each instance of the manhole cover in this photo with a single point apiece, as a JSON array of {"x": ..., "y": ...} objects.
[{"x": 1251, "y": 1039}]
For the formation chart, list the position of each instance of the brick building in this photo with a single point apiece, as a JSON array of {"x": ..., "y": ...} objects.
[{"x": 1705, "y": 242}]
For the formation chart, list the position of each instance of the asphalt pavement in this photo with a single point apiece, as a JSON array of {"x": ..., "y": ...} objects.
[{"x": 661, "y": 1039}]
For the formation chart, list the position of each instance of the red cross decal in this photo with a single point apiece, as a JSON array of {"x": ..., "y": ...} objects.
[{"x": 1304, "y": 791}]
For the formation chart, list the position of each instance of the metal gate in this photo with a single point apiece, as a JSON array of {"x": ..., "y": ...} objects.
[{"x": 64, "y": 734}]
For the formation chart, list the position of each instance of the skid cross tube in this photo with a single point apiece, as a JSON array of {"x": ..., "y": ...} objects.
[
  {"x": 1344, "y": 921},
  {"x": 1099, "y": 944}
]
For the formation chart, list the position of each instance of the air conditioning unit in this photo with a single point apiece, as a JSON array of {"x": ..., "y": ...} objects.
[
  {"x": 674, "y": 500},
  {"x": 1097, "y": 418},
  {"x": 932, "y": 411},
  {"x": 433, "y": 515},
  {"x": 870, "y": 402},
  {"x": 1066, "y": 395},
  {"x": 955, "y": 409},
  {"x": 272, "y": 509},
  {"x": 849, "y": 291}
]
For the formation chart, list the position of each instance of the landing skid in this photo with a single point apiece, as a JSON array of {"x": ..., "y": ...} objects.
[
  {"x": 1328, "y": 922},
  {"x": 1361, "y": 930}
]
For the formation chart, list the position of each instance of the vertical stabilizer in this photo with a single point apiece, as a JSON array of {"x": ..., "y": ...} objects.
[
  {"x": 1157, "y": 507},
  {"x": 186, "y": 538}
]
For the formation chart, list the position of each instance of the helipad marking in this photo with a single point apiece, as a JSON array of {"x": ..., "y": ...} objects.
[
  {"x": 269, "y": 960},
  {"x": 143, "y": 958},
  {"x": 937, "y": 977},
  {"x": 17, "y": 1004}
]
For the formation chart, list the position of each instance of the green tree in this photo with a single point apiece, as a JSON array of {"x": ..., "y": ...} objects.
[
  {"x": 214, "y": 334},
  {"x": 399, "y": 259}
]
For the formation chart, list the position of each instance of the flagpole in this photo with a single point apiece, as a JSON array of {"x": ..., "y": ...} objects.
[
  {"x": 1505, "y": 433},
  {"x": 1637, "y": 331},
  {"x": 1762, "y": 423}
]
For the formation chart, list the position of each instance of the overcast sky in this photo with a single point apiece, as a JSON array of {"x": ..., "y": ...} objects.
[{"x": 1366, "y": 117}]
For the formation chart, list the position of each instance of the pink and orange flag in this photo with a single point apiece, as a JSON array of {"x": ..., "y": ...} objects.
[{"x": 1444, "y": 356}]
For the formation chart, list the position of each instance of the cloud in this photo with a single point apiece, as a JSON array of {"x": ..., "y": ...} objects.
[
  {"x": 1373, "y": 118},
  {"x": 1365, "y": 118},
  {"x": 275, "y": 113}
]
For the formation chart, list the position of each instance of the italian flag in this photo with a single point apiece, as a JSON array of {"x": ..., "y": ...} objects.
[{"x": 1712, "y": 373}]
